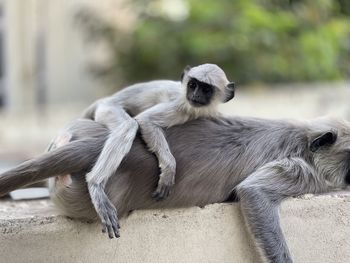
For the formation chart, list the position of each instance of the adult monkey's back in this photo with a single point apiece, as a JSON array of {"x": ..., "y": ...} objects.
[{"x": 265, "y": 161}]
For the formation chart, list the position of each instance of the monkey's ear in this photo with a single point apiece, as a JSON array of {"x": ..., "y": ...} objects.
[
  {"x": 229, "y": 92},
  {"x": 186, "y": 70},
  {"x": 325, "y": 139},
  {"x": 231, "y": 85}
]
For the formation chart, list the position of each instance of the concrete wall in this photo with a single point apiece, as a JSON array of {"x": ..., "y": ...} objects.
[{"x": 317, "y": 229}]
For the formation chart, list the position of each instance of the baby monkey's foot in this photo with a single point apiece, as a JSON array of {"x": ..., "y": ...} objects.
[
  {"x": 105, "y": 210},
  {"x": 165, "y": 183},
  {"x": 109, "y": 219}
]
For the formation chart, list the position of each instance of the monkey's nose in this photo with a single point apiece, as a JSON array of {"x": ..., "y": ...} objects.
[{"x": 196, "y": 99}]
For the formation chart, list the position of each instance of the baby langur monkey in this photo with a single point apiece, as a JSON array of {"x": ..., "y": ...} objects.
[
  {"x": 203, "y": 88},
  {"x": 155, "y": 105}
]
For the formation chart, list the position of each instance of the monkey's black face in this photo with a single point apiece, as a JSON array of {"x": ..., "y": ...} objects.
[{"x": 199, "y": 94}]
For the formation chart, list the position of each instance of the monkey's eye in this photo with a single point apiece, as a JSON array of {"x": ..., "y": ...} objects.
[
  {"x": 207, "y": 89},
  {"x": 192, "y": 85}
]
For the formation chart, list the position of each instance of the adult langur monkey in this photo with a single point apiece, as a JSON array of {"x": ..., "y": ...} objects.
[
  {"x": 155, "y": 106},
  {"x": 263, "y": 161}
]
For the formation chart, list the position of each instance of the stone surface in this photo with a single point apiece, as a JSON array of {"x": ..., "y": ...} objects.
[{"x": 317, "y": 230}]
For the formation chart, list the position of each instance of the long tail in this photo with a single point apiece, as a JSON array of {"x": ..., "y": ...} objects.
[{"x": 76, "y": 156}]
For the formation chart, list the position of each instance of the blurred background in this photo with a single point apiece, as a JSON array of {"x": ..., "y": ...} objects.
[{"x": 290, "y": 58}]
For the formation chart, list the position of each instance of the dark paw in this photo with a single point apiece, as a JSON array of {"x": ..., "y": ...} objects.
[
  {"x": 109, "y": 219},
  {"x": 162, "y": 191}
]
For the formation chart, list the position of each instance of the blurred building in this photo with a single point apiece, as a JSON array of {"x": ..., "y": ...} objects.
[{"x": 43, "y": 56}]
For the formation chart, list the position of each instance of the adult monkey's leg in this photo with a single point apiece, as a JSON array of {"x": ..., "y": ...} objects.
[{"x": 260, "y": 196}]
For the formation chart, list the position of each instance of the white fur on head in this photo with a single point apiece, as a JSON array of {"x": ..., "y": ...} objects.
[{"x": 210, "y": 74}]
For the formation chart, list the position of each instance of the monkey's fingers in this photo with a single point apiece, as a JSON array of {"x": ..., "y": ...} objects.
[
  {"x": 106, "y": 227},
  {"x": 110, "y": 230},
  {"x": 115, "y": 225},
  {"x": 109, "y": 219},
  {"x": 115, "y": 230},
  {"x": 155, "y": 195},
  {"x": 158, "y": 194},
  {"x": 162, "y": 192}
]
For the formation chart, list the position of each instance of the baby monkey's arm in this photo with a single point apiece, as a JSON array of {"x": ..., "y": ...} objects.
[{"x": 151, "y": 123}]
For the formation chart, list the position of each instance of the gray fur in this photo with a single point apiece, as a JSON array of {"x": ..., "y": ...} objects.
[
  {"x": 157, "y": 105},
  {"x": 114, "y": 112},
  {"x": 265, "y": 161}
]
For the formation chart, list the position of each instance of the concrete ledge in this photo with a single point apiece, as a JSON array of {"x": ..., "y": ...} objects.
[{"x": 317, "y": 230}]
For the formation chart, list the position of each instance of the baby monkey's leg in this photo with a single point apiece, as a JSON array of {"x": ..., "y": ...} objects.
[{"x": 123, "y": 131}]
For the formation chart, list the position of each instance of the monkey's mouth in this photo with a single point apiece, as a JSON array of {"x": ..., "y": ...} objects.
[{"x": 196, "y": 103}]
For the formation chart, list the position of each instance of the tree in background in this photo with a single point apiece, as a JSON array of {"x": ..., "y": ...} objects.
[{"x": 253, "y": 40}]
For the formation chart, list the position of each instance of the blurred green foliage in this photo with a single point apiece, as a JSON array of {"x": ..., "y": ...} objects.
[{"x": 252, "y": 40}]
